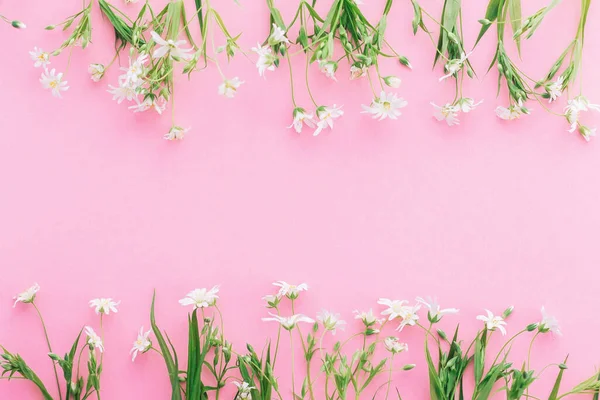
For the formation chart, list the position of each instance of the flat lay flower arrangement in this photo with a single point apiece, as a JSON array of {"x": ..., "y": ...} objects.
[
  {"x": 367, "y": 364},
  {"x": 158, "y": 44}
]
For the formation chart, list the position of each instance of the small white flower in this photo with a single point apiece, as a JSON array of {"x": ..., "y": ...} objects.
[
  {"x": 28, "y": 296},
  {"x": 328, "y": 68},
  {"x": 555, "y": 89},
  {"x": 572, "y": 111},
  {"x": 367, "y": 317},
  {"x": 40, "y": 57},
  {"x": 176, "y": 133},
  {"x": 52, "y": 80},
  {"x": 229, "y": 87},
  {"x": 587, "y": 133},
  {"x": 201, "y": 298},
  {"x": 289, "y": 323},
  {"x": 409, "y": 317},
  {"x": 395, "y": 308},
  {"x": 392, "y": 81},
  {"x": 93, "y": 339},
  {"x": 583, "y": 104},
  {"x": 448, "y": 112},
  {"x": 96, "y": 72},
  {"x": 331, "y": 321},
  {"x": 244, "y": 390},
  {"x": 266, "y": 60},
  {"x": 453, "y": 66},
  {"x": 122, "y": 92},
  {"x": 514, "y": 111},
  {"x": 142, "y": 344},
  {"x": 158, "y": 105},
  {"x": 136, "y": 70},
  {"x": 290, "y": 291},
  {"x": 326, "y": 117},
  {"x": 358, "y": 71},
  {"x": 467, "y": 104},
  {"x": 435, "y": 311},
  {"x": 394, "y": 346},
  {"x": 493, "y": 322},
  {"x": 387, "y": 105},
  {"x": 278, "y": 36},
  {"x": 171, "y": 48},
  {"x": 272, "y": 300},
  {"x": 301, "y": 117},
  {"x": 104, "y": 306},
  {"x": 549, "y": 323}
]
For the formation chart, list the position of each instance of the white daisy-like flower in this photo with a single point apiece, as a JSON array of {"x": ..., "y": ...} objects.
[
  {"x": 28, "y": 296},
  {"x": 176, "y": 133},
  {"x": 409, "y": 317},
  {"x": 586, "y": 132},
  {"x": 435, "y": 312},
  {"x": 142, "y": 344},
  {"x": 555, "y": 89},
  {"x": 122, "y": 92},
  {"x": 467, "y": 104},
  {"x": 358, "y": 71},
  {"x": 104, "y": 306},
  {"x": 272, "y": 300},
  {"x": 392, "y": 81},
  {"x": 290, "y": 291},
  {"x": 583, "y": 104},
  {"x": 395, "y": 308},
  {"x": 289, "y": 323},
  {"x": 328, "y": 68},
  {"x": 158, "y": 104},
  {"x": 135, "y": 71},
  {"x": 277, "y": 36},
  {"x": 549, "y": 323},
  {"x": 301, "y": 118},
  {"x": 40, "y": 57},
  {"x": 331, "y": 321},
  {"x": 514, "y": 111},
  {"x": 266, "y": 59},
  {"x": 448, "y": 112},
  {"x": 493, "y": 322},
  {"x": 326, "y": 117},
  {"x": 93, "y": 339},
  {"x": 201, "y": 298},
  {"x": 229, "y": 87},
  {"x": 96, "y": 72},
  {"x": 244, "y": 390},
  {"x": 387, "y": 105},
  {"x": 453, "y": 66},
  {"x": 572, "y": 111},
  {"x": 367, "y": 317},
  {"x": 394, "y": 346},
  {"x": 53, "y": 81},
  {"x": 171, "y": 48}
]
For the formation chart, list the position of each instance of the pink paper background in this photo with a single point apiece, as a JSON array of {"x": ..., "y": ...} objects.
[{"x": 483, "y": 215}]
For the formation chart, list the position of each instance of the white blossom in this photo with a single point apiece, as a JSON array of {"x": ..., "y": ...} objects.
[
  {"x": 514, "y": 111},
  {"x": 244, "y": 390},
  {"x": 409, "y": 316},
  {"x": 357, "y": 72},
  {"x": 554, "y": 89},
  {"x": 367, "y": 317},
  {"x": 392, "y": 81},
  {"x": 142, "y": 344},
  {"x": 278, "y": 36},
  {"x": 453, "y": 66},
  {"x": 104, "y": 305},
  {"x": 467, "y": 104},
  {"x": 158, "y": 104},
  {"x": 301, "y": 118},
  {"x": 96, "y": 72},
  {"x": 289, "y": 323},
  {"x": 176, "y": 133},
  {"x": 229, "y": 87},
  {"x": 435, "y": 311},
  {"x": 326, "y": 117},
  {"x": 266, "y": 60},
  {"x": 549, "y": 323},
  {"x": 448, "y": 112},
  {"x": 201, "y": 298},
  {"x": 290, "y": 291},
  {"x": 171, "y": 48},
  {"x": 394, "y": 346},
  {"x": 493, "y": 322},
  {"x": 387, "y": 105},
  {"x": 93, "y": 339},
  {"x": 28, "y": 296},
  {"x": 40, "y": 57},
  {"x": 328, "y": 68},
  {"x": 331, "y": 321},
  {"x": 53, "y": 81}
]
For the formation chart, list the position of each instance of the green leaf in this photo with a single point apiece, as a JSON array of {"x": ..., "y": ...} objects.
[
  {"x": 435, "y": 385},
  {"x": 514, "y": 12},
  {"x": 199, "y": 14},
  {"x": 556, "y": 387},
  {"x": 491, "y": 14}
]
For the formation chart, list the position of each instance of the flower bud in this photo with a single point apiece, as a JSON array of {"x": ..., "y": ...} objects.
[
  {"x": 531, "y": 327},
  {"x": 408, "y": 367},
  {"x": 392, "y": 81},
  {"x": 404, "y": 61},
  {"x": 442, "y": 334},
  {"x": 50, "y": 27},
  {"x": 508, "y": 312},
  {"x": 18, "y": 24},
  {"x": 484, "y": 22}
]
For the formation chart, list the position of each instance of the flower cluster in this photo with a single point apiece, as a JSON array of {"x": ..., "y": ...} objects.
[
  {"x": 76, "y": 384},
  {"x": 347, "y": 369}
]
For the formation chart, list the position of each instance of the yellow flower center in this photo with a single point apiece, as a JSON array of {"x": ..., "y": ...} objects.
[
  {"x": 53, "y": 84},
  {"x": 387, "y": 105}
]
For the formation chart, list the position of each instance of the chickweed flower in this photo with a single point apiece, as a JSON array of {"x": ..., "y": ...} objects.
[
  {"x": 176, "y": 133},
  {"x": 229, "y": 87},
  {"x": 53, "y": 81},
  {"x": 514, "y": 111},
  {"x": 244, "y": 390},
  {"x": 467, "y": 104},
  {"x": 331, "y": 321},
  {"x": 367, "y": 317},
  {"x": 326, "y": 117},
  {"x": 171, "y": 48},
  {"x": 266, "y": 60},
  {"x": 328, "y": 68},
  {"x": 358, "y": 71},
  {"x": 448, "y": 112},
  {"x": 277, "y": 36},
  {"x": 301, "y": 118},
  {"x": 93, "y": 339},
  {"x": 394, "y": 346},
  {"x": 392, "y": 81},
  {"x": 201, "y": 298},
  {"x": 28, "y": 296},
  {"x": 435, "y": 312},
  {"x": 142, "y": 344},
  {"x": 493, "y": 322},
  {"x": 40, "y": 57},
  {"x": 290, "y": 291},
  {"x": 387, "y": 105},
  {"x": 96, "y": 71},
  {"x": 409, "y": 316},
  {"x": 453, "y": 66},
  {"x": 395, "y": 308},
  {"x": 289, "y": 323},
  {"x": 104, "y": 306},
  {"x": 272, "y": 300},
  {"x": 549, "y": 323}
]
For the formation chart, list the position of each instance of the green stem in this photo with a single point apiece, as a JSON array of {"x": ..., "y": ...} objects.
[{"x": 49, "y": 348}]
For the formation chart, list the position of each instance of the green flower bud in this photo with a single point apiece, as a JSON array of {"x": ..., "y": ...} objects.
[{"x": 18, "y": 24}]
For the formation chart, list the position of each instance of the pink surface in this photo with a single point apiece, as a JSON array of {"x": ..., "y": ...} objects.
[{"x": 94, "y": 203}]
